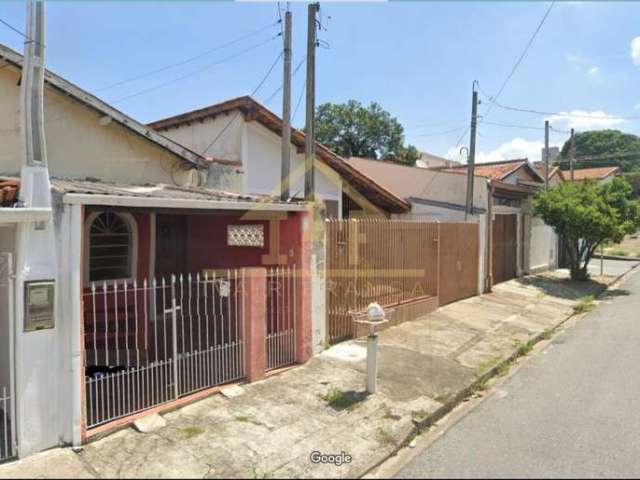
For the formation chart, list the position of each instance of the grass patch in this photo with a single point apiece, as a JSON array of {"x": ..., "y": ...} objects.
[
  {"x": 540, "y": 295},
  {"x": 616, "y": 252},
  {"x": 339, "y": 399},
  {"x": 547, "y": 334},
  {"x": 385, "y": 437},
  {"x": 503, "y": 369},
  {"x": 389, "y": 415},
  {"x": 419, "y": 415},
  {"x": 585, "y": 304},
  {"x": 488, "y": 364},
  {"x": 524, "y": 349},
  {"x": 191, "y": 432}
]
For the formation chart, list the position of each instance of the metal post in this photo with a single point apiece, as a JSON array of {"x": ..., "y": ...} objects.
[
  {"x": 174, "y": 331},
  {"x": 309, "y": 147},
  {"x": 472, "y": 153},
  {"x": 572, "y": 154},
  {"x": 286, "y": 111},
  {"x": 372, "y": 360},
  {"x": 546, "y": 155},
  {"x": 601, "y": 259}
]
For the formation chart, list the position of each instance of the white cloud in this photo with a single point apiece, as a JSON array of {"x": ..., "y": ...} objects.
[
  {"x": 636, "y": 106},
  {"x": 593, "y": 71},
  {"x": 583, "y": 120},
  {"x": 516, "y": 148},
  {"x": 635, "y": 50}
]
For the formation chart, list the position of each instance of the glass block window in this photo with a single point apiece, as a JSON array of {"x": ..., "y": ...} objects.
[
  {"x": 245, "y": 235},
  {"x": 110, "y": 247}
]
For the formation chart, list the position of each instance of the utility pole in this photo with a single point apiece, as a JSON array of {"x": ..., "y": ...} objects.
[
  {"x": 471, "y": 160},
  {"x": 546, "y": 155},
  {"x": 309, "y": 147},
  {"x": 286, "y": 111},
  {"x": 572, "y": 151}
]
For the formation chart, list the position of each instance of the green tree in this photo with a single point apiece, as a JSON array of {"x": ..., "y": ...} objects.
[
  {"x": 604, "y": 143},
  {"x": 587, "y": 214},
  {"x": 353, "y": 130}
]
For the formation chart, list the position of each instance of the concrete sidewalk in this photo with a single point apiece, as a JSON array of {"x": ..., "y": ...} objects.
[{"x": 272, "y": 427}]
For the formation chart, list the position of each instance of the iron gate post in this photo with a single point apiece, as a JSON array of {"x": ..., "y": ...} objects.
[{"x": 174, "y": 329}]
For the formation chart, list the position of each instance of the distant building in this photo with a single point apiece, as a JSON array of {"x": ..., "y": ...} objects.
[
  {"x": 428, "y": 160},
  {"x": 553, "y": 153}
]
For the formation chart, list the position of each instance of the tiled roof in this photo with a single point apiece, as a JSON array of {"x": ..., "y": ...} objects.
[
  {"x": 539, "y": 166},
  {"x": 493, "y": 170},
  {"x": 597, "y": 173},
  {"x": 158, "y": 191}
]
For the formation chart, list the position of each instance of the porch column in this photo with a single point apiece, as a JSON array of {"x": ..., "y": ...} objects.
[
  {"x": 307, "y": 276},
  {"x": 255, "y": 323}
]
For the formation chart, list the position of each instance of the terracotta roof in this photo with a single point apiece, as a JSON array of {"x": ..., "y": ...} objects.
[
  {"x": 597, "y": 173},
  {"x": 254, "y": 111},
  {"x": 9, "y": 188},
  {"x": 497, "y": 170},
  {"x": 55, "y": 81},
  {"x": 539, "y": 166}
]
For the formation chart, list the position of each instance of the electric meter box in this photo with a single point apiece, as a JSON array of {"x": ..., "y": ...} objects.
[{"x": 39, "y": 305}]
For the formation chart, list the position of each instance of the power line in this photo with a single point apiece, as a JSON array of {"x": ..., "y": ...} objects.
[
  {"x": 19, "y": 32},
  {"x": 566, "y": 114},
  {"x": 196, "y": 72},
  {"x": 433, "y": 134},
  {"x": 519, "y": 61},
  {"x": 299, "y": 102},
  {"x": 272, "y": 96},
  {"x": 524, "y": 127},
  {"x": 187, "y": 60},
  {"x": 255, "y": 90}
]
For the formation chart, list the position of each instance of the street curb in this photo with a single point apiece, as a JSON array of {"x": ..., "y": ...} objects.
[
  {"x": 616, "y": 257},
  {"x": 446, "y": 408}
]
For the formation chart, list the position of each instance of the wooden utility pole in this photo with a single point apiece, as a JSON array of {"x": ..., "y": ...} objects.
[
  {"x": 572, "y": 152},
  {"x": 286, "y": 111},
  {"x": 546, "y": 154},
  {"x": 309, "y": 147},
  {"x": 471, "y": 160}
]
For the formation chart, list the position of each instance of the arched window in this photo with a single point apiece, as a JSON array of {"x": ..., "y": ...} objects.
[{"x": 111, "y": 248}]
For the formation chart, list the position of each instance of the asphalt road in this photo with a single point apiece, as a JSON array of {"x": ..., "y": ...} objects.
[
  {"x": 573, "y": 410},
  {"x": 611, "y": 267}
]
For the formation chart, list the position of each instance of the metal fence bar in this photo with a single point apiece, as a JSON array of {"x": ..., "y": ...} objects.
[
  {"x": 6, "y": 434},
  {"x": 199, "y": 346},
  {"x": 280, "y": 317}
]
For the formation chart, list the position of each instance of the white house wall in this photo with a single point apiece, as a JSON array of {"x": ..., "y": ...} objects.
[
  {"x": 543, "y": 246},
  {"x": 78, "y": 145}
]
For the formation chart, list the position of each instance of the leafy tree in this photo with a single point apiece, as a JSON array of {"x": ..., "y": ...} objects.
[
  {"x": 353, "y": 130},
  {"x": 634, "y": 180},
  {"x": 604, "y": 142},
  {"x": 587, "y": 214}
]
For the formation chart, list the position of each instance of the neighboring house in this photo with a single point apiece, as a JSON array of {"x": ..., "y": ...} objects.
[
  {"x": 502, "y": 190},
  {"x": 157, "y": 295},
  {"x": 556, "y": 176},
  {"x": 246, "y": 134},
  {"x": 597, "y": 174}
]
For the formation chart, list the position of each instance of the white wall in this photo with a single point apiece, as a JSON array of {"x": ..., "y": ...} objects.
[
  {"x": 543, "y": 246},
  {"x": 259, "y": 150},
  {"x": 78, "y": 146}
]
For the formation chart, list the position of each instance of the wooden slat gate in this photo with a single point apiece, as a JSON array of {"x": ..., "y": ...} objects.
[
  {"x": 458, "y": 261},
  {"x": 395, "y": 263},
  {"x": 505, "y": 249}
]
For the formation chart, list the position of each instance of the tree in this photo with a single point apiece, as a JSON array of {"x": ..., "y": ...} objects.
[
  {"x": 604, "y": 142},
  {"x": 353, "y": 130},
  {"x": 587, "y": 214}
]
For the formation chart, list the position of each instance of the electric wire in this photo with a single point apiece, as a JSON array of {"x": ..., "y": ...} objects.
[
  {"x": 195, "y": 72},
  {"x": 187, "y": 60},
  {"x": 255, "y": 90}
]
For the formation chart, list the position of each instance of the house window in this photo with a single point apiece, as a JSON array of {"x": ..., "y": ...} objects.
[{"x": 111, "y": 246}]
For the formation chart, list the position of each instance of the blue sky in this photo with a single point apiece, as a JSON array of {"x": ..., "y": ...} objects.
[{"x": 417, "y": 59}]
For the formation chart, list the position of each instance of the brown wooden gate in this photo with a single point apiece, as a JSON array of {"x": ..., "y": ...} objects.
[
  {"x": 505, "y": 247},
  {"x": 458, "y": 261},
  {"x": 396, "y": 264}
]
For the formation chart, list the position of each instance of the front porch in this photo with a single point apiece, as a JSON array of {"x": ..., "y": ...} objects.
[{"x": 179, "y": 301}]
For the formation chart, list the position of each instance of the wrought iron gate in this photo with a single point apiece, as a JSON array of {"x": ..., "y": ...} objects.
[
  {"x": 151, "y": 343},
  {"x": 281, "y": 317},
  {"x": 8, "y": 447}
]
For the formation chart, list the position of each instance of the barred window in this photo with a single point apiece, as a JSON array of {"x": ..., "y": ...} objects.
[{"x": 110, "y": 247}]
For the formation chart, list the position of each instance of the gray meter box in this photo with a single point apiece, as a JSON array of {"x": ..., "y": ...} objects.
[{"x": 39, "y": 305}]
